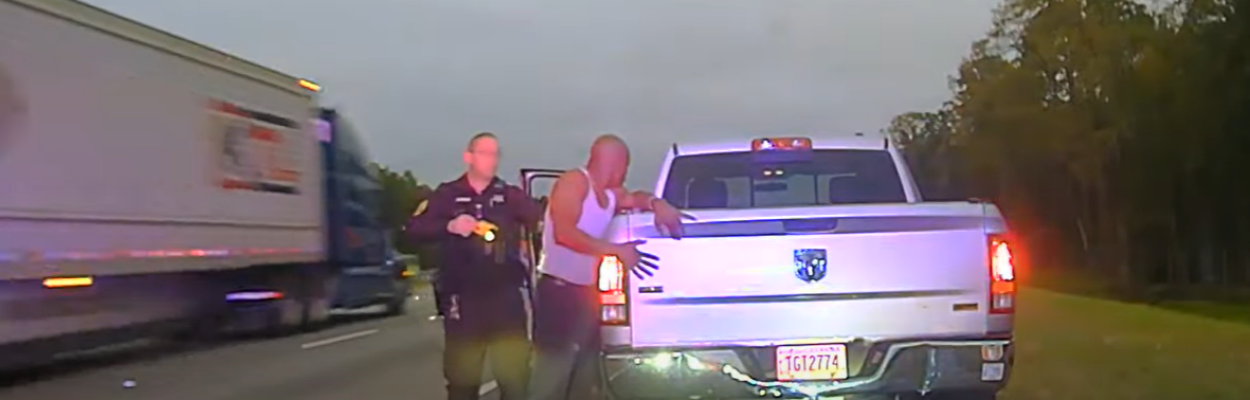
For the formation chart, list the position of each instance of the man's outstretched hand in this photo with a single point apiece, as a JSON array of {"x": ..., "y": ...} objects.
[
  {"x": 668, "y": 219},
  {"x": 647, "y": 265},
  {"x": 637, "y": 262}
]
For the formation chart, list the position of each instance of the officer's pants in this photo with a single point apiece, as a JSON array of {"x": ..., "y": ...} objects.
[
  {"x": 566, "y": 340},
  {"x": 476, "y": 325},
  {"x": 438, "y": 300}
]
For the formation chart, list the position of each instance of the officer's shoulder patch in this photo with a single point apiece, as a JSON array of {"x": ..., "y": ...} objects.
[{"x": 421, "y": 207}]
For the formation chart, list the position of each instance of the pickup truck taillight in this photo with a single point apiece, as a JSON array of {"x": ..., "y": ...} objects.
[
  {"x": 1002, "y": 276},
  {"x": 612, "y": 292}
]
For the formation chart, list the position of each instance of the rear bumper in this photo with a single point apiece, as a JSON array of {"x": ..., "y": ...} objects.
[{"x": 908, "y": 366}]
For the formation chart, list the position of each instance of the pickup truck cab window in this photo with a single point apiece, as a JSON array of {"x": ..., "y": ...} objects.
[{"x": 820, "y": 177}]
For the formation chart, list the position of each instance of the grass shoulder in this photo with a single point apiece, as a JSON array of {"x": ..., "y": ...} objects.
[{"x": 1074, "y": 347}]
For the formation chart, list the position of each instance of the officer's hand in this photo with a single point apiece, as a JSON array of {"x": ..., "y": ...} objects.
[
  {"x": 462, "y": 225},
  {"x": 641, "y": 264}
]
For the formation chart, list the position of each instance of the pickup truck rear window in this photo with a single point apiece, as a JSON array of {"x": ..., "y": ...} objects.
[{"x": 818, "y": 177}]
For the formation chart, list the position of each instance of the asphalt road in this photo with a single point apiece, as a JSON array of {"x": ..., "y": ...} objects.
[{"x": 376, "y": 359}]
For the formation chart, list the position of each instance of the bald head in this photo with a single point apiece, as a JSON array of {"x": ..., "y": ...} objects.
[
  {"x": 608, "y": 145},
  {"x": 609, "y": 160}
]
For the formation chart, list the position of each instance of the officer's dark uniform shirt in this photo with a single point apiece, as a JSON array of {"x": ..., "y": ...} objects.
[{"x": 474, "y": 264}]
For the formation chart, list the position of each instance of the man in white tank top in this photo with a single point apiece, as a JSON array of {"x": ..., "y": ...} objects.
[{"x": 566, "y": 318}]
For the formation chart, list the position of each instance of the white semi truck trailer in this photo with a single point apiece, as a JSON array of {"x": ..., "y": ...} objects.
[{"x": 150, "y": 185}]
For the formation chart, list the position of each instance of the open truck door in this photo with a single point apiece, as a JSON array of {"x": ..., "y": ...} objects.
[{"x": 537, "y": 183}]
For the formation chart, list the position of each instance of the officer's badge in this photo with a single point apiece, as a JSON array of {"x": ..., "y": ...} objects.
[{"x": 421, "y": 208}]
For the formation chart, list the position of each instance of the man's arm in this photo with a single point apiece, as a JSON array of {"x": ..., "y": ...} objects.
[
  {"x": 636, "y": 200},
  {"x": 527, "y": 210},
  {"x": 431, "y": 223},
  {"x": 667, "y": 218},
  {"x": 567, "y": 197}
]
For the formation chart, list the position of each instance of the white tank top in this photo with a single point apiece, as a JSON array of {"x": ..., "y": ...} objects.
[{"x": 569, "y": 265}]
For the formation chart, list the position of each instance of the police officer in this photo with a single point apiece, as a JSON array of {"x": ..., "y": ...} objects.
[{"x": 478, "y": 220}]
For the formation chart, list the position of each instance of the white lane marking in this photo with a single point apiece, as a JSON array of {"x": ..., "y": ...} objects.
[
  {"x": 336, "y": 339},
  {"x": 488, "y": 387}
]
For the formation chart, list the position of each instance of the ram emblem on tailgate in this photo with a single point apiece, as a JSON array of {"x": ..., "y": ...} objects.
[{"x": 810, "y": 264}]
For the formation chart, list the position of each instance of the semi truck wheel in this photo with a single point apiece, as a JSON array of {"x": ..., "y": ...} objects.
[
  {"x": 398, "y": 305},
  {"x": 293, "y": 307},
  {"x": 284, "y": 314},
  {"x": 318, "y": 304}
]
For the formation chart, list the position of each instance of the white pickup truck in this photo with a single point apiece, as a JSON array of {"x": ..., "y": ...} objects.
[{"x": 813, "y": 270}]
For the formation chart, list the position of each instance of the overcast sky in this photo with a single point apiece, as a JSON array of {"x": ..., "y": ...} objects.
[{"x": 418, "y": 77}]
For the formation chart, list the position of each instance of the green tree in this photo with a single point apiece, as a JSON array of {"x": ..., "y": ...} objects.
[
  {"x": 401, "y": 194},
  {"x": 926, "y": 141},
  {"x": 1109, "y": 132}
]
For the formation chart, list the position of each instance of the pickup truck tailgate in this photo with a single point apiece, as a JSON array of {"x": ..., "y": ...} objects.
[{"x": 753, "y": 277}]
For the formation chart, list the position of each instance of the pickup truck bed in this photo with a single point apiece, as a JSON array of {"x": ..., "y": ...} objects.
[{"x": 740, "y": 280}]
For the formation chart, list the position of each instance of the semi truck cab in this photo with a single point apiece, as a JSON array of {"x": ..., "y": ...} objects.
[{"x": 359, "y": 247}]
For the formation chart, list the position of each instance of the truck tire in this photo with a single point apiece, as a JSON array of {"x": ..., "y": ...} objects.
[
  {"x": 316, "y": 314},
  {"x": 318, "y": 301},
  {"x": 296, "y": 309},
  {"x": 398, "y": 305},
  {"x": 204, "y": 323},
  {"x": 293, "y": 310}
]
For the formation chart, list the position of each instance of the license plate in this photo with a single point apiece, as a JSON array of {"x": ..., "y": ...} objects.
[{"x": 811, "y": 363}]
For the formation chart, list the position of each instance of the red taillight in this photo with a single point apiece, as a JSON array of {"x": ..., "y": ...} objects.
[
  {"x": 1002, "y": 276},
  {"x": 612, "y": 291}
]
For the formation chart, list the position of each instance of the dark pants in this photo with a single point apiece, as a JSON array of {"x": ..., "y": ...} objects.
[
  {"x": 566, "y": 340},
  {"x": 438, "y": 300},
  {"x": 480, "y": 324}
]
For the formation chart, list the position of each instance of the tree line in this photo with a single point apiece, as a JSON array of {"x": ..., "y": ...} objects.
[
  {"x": 401, "y": 194},
  {"x": 1110, "y": 132}
]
